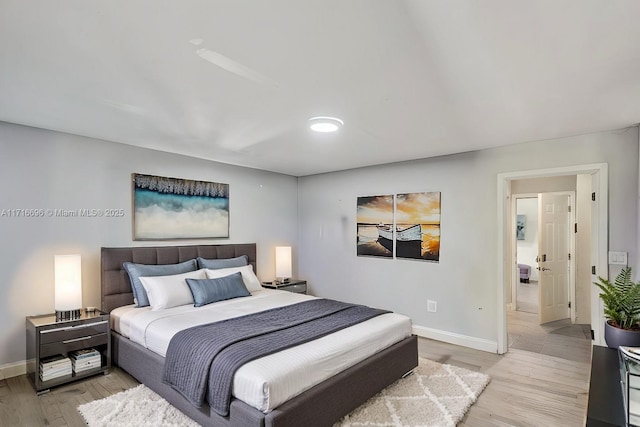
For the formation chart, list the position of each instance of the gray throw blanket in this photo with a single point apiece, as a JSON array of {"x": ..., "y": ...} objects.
[{"x": 202, "y": 360}]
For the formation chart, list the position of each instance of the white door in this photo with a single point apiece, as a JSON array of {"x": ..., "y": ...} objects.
[{"x": 553, "y": 257}]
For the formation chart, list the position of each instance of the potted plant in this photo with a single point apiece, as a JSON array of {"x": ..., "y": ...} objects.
[{"x": 622, "y": 309}]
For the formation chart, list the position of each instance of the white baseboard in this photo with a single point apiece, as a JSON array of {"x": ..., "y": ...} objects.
[
  {"x": 457, "y": 339},
  {"x": 13, "y": 369}
]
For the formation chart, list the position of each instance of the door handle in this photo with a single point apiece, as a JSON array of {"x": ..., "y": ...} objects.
[{"x": 544, "y": 269}]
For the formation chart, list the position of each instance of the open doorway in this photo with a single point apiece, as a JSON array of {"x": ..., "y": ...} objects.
[
  {"x": 595, "y": 253},
  {"x": 544, "y": 291}
]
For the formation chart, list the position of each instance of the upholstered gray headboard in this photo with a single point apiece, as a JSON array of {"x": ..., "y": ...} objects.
[{"x": 116, "y": 289}]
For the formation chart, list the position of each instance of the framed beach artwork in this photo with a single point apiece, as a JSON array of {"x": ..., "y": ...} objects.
[
  {"x": 173, "y": 208},
  {"x": 417, "y": 218},
  {"x": 375, "y": 226}
]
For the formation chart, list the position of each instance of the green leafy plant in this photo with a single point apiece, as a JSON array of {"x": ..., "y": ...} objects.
[{"x": 621, "y": 300}]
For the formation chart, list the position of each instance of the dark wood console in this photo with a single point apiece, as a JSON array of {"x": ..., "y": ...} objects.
[{"x": 605, "y": 393}]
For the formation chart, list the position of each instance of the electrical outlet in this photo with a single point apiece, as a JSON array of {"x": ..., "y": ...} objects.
[{"x": 432, "y": 306}]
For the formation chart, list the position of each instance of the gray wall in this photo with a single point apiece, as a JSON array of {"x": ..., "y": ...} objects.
[
  {"x": 465, "y": 282},
  {"x": 51, "y": 170},
  {"x": 44, "y": 169}
]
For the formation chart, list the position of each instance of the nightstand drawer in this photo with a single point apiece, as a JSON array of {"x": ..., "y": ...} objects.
[
  {"x": 71, "y": 332},
  {"x": 298, "y": 289},
  {"x": 71, "y": 344}
]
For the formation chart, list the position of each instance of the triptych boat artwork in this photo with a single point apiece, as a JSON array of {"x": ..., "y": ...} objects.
[{"x": 402, "y": 226}]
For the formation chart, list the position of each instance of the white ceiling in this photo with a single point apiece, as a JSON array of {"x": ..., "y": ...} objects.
[{"x": 235, "y": 81}]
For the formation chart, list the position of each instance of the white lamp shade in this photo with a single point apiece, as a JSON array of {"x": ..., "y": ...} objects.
[
  {"x": 68, "y": 282},
  {"x": 283, "y": 262}
]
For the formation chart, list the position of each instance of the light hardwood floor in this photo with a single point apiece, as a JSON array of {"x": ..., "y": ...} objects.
[
  {"x": 526, "y": 389},
  {"x": 20, "y": 406}
]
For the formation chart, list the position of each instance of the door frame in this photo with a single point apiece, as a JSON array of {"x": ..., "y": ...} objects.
[{"x": 599, "y": 239}]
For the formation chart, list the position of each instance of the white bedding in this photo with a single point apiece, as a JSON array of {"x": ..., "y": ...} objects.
[{"x": 267, "y": 382}]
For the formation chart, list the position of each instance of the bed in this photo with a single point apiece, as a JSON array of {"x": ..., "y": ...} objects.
[{"x": 320, "y": 405}]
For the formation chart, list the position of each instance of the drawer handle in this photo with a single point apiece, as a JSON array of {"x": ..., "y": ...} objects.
[
  {"x": 77, "y": 339},
  {"x": 71, "y": 328}
]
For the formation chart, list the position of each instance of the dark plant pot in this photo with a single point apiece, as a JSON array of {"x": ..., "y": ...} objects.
[{"x": 616, "y": 337}]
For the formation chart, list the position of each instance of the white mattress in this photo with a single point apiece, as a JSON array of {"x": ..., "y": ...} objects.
[{"x": 270, "y": 381}]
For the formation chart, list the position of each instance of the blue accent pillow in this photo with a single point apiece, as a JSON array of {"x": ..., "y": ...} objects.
[
  {"x": 206, "y": 291},
  {"x": 216, "y": 264},
  {"x": 136, "y": 271}
]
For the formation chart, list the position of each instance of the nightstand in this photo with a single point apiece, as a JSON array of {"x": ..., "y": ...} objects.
[
  {"x": 293, "y": 285},
  {"x": 47, "y": 337}
]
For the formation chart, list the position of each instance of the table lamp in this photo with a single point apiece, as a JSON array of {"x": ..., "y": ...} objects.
[
  {"x": 283, "y": 264},
  {"x": 68, "y": 287}
]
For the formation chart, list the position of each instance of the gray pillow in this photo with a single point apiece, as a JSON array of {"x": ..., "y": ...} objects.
[
  {"x": 216, "y": 264},
  {"x": 206, "y": 291},
  {"x": 136, "y": 271}
]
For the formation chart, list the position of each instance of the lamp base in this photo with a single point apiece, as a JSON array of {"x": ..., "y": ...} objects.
[
  {"x": 68, "y": 314},
  {"x": 282, "y": 280}
]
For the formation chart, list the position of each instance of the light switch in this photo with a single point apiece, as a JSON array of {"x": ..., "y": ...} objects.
[{"x": 618, "y": 258}]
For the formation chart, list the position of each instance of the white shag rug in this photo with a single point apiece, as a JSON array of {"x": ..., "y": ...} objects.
[
  {"x": 434, "y": 395},
  {"x": 139, "y": 406}
]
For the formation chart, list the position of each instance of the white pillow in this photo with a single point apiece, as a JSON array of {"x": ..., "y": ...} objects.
[
  {"x": 170, "y": 291},
  {"x": 249, "y": 278}
]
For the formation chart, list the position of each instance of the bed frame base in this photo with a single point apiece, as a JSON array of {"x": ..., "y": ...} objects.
[{"x": 336, "y": 396}]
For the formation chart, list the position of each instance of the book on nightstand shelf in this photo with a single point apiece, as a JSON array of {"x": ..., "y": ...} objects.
[
  {"x": 84, "y": 354},
  {"x": 83, "y": 360},
  {"x": 55, "y": 367},
  {"x": 85, "y": 366},
  {"x": 56, "y": 360}
]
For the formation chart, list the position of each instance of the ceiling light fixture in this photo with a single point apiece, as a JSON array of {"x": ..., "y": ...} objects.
[{"x": 325, "y": 124}]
